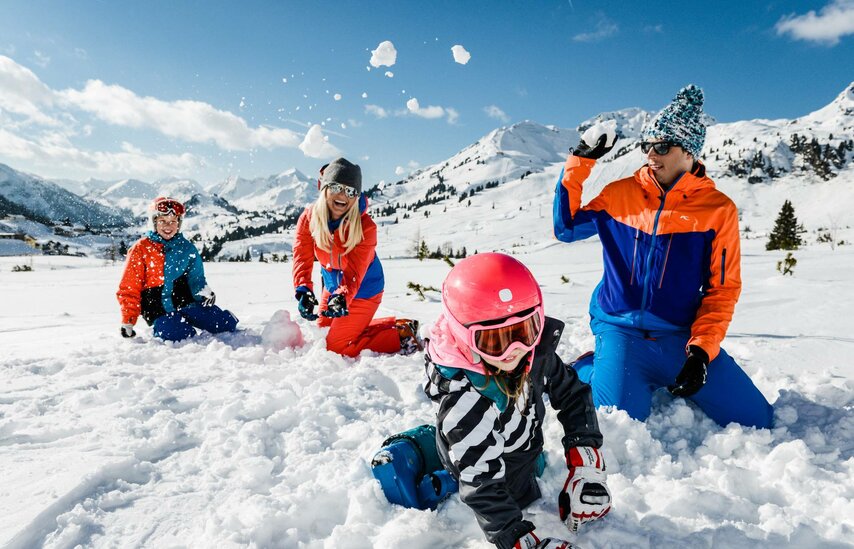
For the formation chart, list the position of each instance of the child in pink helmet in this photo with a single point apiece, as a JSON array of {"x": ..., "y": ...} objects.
[{"x": 490, "y": 359}]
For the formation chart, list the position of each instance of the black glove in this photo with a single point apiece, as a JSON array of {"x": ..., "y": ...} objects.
[
  {"x": 595, "y": 153},
  {"x": 693, "y": 375},
  {"x": 307, "y": 303},
  {"x": 336, "y": 306},
  {"x": 127, "y": 330}
]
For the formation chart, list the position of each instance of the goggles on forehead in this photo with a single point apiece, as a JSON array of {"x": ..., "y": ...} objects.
[
  {"x": 497, "y": 341},
  {"x": 169, "y": 207},
  {"x": 337, "y": 188}
]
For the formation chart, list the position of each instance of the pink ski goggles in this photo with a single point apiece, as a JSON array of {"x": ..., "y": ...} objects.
[{"x": 497, "y": 341}]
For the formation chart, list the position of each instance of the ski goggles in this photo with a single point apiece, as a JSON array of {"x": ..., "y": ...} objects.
[
  {"x": 497, "y": 341},
  {"x": 660, "y": 147},
  {"x": 169, "y": 207},
  {"x": 337, "y": 188}
]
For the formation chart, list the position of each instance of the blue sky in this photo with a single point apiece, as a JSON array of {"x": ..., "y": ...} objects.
[{"x": 113, "y": 89}]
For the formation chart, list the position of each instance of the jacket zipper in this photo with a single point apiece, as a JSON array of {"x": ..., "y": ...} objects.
[
  {"x": 723, "y": 266},
  {"x": 664, "y": 266},
  {"x": 634, "y": 258},
  {"x": 646, "y": 277}
]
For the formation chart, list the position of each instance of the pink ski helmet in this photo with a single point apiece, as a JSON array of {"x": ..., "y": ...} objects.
[{"x": 493, "y": 305}]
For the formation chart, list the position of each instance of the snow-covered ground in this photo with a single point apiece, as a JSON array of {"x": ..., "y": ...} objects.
[{"x": 225, "y": 441}]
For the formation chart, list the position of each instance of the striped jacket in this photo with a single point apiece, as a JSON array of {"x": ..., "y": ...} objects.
[
  {"x": 672, "y": 258},
  {"x": 486, "y": 441},
  {"x": 160, "y": 276}
]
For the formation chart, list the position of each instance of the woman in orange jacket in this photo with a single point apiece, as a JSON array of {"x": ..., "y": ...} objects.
[{"x": 338, "y": 231}]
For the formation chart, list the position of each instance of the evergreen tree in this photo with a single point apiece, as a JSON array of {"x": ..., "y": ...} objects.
[
  {"x": 787, "y": 232},
  {"x": 423, "y": 251},
  {"x": 123, "y": 248}
]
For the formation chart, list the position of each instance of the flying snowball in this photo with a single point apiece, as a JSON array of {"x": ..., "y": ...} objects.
[
  {"x": 389, "y": 74},
  {"x": 281, "y": 332},
  {"x": 384, "y": 55},
  {"x": 461, "y": 56},
  {"x": 337, "y": 97}
]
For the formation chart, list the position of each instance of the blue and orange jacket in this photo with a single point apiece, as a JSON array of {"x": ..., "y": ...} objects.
[
  {"x": 672, "y": 258},
  {"x": 357, "y": 274},
  {"x": 160, "y": 276}
]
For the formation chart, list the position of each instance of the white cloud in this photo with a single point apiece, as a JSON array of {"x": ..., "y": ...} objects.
[
  {"x": 833, "y": 21},
  {"x": 41, "y": 59},
  {"x": 494, "y": 111},
  {"x": 384, "y": 55},
  {"x": 461, "y": 56},
  {"x": 430, "y": 112},
  {"x": 376, "y": 110},
  {"x": 399, "y": 170},
  {"x": 22, "y": 93},
  {"x": 316, "y": 145},
  {"x": 39, "y": 125},
  {"x": 54, "y": 156},
  {"x": 192, "y": 121},
  {"x": 604, "y": 28}
]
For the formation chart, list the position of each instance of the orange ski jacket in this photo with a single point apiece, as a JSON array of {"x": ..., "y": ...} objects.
[{"x": 672, "y": 259}]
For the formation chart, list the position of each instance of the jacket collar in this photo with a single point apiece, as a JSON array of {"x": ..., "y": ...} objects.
[{"x": 688, "y": 182}]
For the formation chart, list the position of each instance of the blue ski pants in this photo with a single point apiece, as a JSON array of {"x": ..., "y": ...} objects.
[
  {"x": 629, "y": 365},
  {"x": 181, "y": 324}
]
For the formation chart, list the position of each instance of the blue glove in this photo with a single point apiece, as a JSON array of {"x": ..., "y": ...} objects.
[
  {"x": 336, "y": 306},
  {"x": 307, "y": 303}
]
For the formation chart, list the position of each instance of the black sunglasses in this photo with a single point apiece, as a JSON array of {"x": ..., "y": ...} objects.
[
  {"x": 336, "y": 188},
  {"x": 660, "y": 147}
]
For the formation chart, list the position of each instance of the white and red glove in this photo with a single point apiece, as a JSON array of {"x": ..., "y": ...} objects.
[
  {"x": 531, "y": 541},
  {"x": 585, "y": 495}
]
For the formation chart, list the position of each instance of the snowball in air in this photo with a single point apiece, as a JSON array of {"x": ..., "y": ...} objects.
[
  {"x": 461, "y": 56},
  {"x": 385, "y": 54}
]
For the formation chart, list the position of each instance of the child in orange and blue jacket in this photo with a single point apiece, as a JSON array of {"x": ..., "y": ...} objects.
[
  {"x": 339, "y": 233},
  {"x": 670, "y": 244},
  {"x": 164, "y": 281}
]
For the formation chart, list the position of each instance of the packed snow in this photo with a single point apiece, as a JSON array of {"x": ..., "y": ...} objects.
[{"x": 263, "y": 438}]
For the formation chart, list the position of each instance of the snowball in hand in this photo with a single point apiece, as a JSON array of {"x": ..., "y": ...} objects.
[
  {"x": 282, "y": 332},
  {"x": 609, "y": 128}
]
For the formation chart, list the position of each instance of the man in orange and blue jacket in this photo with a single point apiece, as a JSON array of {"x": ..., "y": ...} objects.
[{"x": 672, "y": 273}]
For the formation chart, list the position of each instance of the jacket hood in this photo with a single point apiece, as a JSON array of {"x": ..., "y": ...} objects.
[{"x": 442, "y": 348}]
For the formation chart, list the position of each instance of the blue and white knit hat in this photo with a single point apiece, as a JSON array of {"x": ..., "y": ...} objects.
[{"x": 680, "y": 121}]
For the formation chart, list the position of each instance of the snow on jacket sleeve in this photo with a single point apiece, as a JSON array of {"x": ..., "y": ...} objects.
[
  {"x": 470, "y": 423},
  {"x": 723, "y": 288},
  {"x": 356, "y": 262},
  {"x": 303, "y": 252},
  {"x": 571, "y": 221},
  {"x": 131, "y": 284}
]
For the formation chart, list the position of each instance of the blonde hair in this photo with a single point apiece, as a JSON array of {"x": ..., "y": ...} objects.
[
  {"x": 512, "y": 388},
  {"x": 350, "y": 231}
]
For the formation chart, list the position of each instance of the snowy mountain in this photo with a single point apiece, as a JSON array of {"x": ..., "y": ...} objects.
[
  {"x": 267, "y": 193},
  {"x": 42, "y": 200},
  {"x": 818, "y": 145}
]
